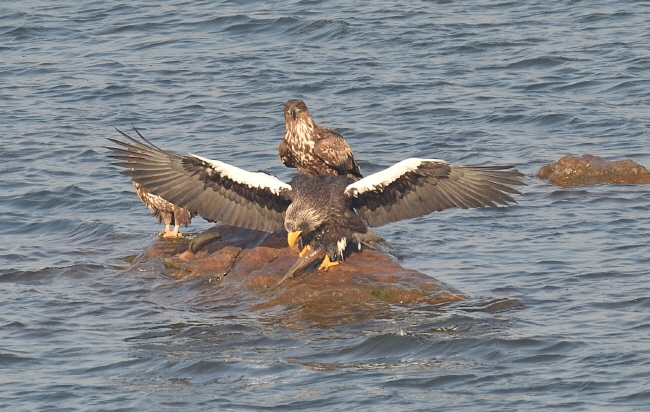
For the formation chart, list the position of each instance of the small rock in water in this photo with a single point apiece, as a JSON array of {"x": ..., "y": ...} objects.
[{"x": 590, "y": 170}]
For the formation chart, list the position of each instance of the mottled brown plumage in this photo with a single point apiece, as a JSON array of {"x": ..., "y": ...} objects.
[
  {"x": 314, "y": 149},
  {"x": 164, "y": 211}
]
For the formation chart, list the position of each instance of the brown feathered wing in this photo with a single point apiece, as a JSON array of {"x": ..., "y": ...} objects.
[
  {"x": 416, "y": 187},
  {"x": 335, "y": 151},
  {"x": 214, "y": 190}
]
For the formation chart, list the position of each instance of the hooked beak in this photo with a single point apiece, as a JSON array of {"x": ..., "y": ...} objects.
[
  {"x": 293, "y": 113},
  {"x": 292, "y": 237}
]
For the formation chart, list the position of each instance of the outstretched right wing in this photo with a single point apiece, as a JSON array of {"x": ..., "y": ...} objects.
[
  {"x": 416, "y": 187},
  {"x": 214, "y": 190}
]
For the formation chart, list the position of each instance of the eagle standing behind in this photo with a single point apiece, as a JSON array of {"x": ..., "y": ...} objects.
[{"x": 314, "y": 149}]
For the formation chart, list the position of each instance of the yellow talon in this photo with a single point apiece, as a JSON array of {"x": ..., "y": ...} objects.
[
  {"x": 172, "y": 233},
  {"x": 327, "y": 263},
  {"x": 166, "y": 233},
  {"x": 304, "y": 251}
]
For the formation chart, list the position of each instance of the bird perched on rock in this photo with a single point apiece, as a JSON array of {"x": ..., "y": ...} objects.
[
  {"x": 328, "y": 212},
  {"x": 163, "y": 210},
  {"x": 314, "y": 149},
  {"x": 317, "y": 150}
]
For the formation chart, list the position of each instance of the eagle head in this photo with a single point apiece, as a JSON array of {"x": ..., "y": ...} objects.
[
  {"x": 294, "y": 109},
  {"x": 302, "y": 219}
]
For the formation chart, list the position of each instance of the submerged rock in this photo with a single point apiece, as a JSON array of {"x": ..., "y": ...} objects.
[
  {"x": 589, "y": 170},
  {"x": 247, "y": 265}
]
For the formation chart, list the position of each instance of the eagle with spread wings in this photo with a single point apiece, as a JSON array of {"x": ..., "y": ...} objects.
[
  {"x": 314, "y": 149},
  {"x": 327, "y": 212}
]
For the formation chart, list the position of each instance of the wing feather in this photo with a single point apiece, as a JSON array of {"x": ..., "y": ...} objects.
[
  {"x": 416, "y": 187},
  {"x": 212, "y": 189},
  {"x": 332, "y": 148},
  {"x": 285, "y": 154}
]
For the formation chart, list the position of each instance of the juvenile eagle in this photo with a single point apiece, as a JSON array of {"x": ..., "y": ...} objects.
[
  {"x": 329, "y": 212},
  {"x": 314, "y": 149},
  {"x": 164, "y": 211}
]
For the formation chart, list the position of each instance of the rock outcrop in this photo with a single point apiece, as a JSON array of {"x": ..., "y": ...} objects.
[
  {"x": 589, "y": 170},
  {"x": 247, "y": 265}
]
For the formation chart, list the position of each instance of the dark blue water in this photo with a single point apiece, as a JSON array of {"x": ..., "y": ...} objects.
[{"x": 468, "y": 82}]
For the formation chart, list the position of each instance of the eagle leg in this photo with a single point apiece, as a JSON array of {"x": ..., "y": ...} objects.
[
  {"x": 304, "y": 251},
  {"x": 164, "y": 232},
  {"x": 175, "y": 232},
  {"x": 327, "y": 263},
  {"x": 171, "y": 233}
]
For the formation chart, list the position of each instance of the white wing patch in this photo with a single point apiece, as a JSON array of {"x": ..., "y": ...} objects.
[
  {"x": 250, "y": 179},
  {"x": 379, "y": 180}
]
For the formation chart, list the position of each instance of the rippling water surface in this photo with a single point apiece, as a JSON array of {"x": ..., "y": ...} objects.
[{"x": 469, "y": 82}]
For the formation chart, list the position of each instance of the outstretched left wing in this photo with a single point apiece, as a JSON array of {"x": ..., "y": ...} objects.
[
  {"x": 212, "y": 189},
  {"x": 416, "y": 187}
]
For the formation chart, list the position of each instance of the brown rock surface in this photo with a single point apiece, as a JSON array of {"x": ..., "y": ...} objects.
[
  {"x": 247, "y": 265},
  {"x": 589, "y": 170}
]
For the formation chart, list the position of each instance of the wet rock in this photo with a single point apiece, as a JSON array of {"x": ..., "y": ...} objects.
[
  {"x": 247, "y": 266},
  {"x": 589, "y": 170}
]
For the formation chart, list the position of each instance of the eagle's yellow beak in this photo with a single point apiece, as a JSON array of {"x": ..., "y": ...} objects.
[{"x": 292, "y": 237}]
